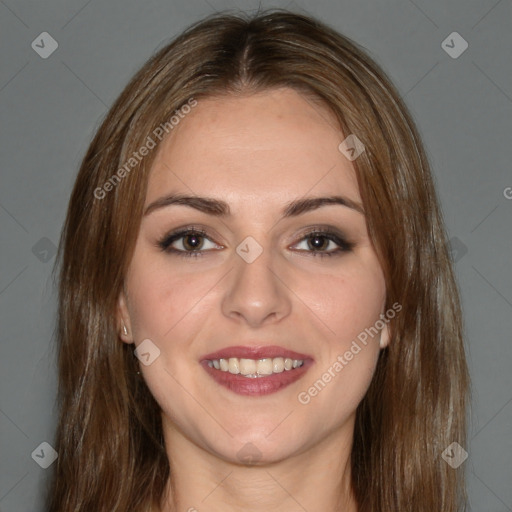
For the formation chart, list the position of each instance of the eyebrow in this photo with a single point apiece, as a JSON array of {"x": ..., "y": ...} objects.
[{"x": 220, "y": 208}]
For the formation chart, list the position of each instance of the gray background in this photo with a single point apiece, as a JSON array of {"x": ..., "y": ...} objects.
[{"x": 51, "y": 107}]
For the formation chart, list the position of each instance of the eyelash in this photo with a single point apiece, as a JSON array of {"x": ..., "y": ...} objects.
[{"x": 165, "y": 243}]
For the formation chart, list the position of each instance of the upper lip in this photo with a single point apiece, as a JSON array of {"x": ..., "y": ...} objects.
[{"x": 254, "y": 352}]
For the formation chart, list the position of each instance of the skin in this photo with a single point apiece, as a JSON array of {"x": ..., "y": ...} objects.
[{"x": 257, "y": 152}]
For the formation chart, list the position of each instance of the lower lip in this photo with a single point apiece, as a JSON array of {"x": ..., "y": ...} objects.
[{"x": 260, "y": 385}]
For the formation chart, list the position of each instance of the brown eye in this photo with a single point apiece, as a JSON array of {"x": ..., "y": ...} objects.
[
  {"x": 192, "y": 242},
  {"x": 187, "y": 242},
  {"x": 318, "y": 242}
]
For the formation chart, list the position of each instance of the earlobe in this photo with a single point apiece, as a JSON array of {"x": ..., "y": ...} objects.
[
  {"x": 384, "y": 337},
  {"x": 123, "y": 320}
]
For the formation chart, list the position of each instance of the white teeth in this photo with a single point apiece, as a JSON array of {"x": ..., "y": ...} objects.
[
  {"x": 265, "y": 366},
  {"x": 253, "y": 368},
  {"x": 247, "y": 366},
  {"x": 234, "y": 365},
  {"x": 278, "y": 365}
]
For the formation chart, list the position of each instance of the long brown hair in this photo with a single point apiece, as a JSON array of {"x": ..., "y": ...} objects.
[{"x": 109, "y": 437}]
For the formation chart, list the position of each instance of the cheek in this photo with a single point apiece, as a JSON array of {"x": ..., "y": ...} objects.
[
  {"x": 349, "y": 305},
  {"x": 162, "y": 298},
  {"x": 348, "y": 301},
  {"x": 164, "y": 307},
  {"x": 340, "y": 304}
]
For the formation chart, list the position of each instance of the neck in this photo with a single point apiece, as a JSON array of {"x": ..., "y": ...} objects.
[{"x": 318, "y": 478}]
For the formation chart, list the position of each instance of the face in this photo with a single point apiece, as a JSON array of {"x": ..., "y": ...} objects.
[{"x": 255, "y": 277}]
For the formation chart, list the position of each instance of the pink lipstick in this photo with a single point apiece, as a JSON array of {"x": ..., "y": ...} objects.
[{"x": 256, "y": 370}]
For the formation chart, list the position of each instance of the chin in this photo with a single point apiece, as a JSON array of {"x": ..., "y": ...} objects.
[{"x": 258, "y": 449}]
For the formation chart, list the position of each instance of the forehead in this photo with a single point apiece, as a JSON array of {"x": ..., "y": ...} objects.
[{"x": 272, "y": 144}]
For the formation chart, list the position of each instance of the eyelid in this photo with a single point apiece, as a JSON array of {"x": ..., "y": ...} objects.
[
  {"x": 176, "y": 234},
  {"x": 331, "y": 233},
  {"x": 343, "y": 242}
]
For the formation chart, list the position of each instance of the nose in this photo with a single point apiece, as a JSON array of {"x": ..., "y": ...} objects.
[{"x": 256, "y": 292}]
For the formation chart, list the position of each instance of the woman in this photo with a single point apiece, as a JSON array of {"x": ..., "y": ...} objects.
[{"x": 257, "y": 308}]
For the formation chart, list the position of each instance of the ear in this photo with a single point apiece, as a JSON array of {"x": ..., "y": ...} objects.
[
  {"x": 123, "y": 319},
  {"x": 384, "y": 336}
]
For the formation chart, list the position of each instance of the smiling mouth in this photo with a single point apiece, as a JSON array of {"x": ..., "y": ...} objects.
[
  {"x": 255, "y": 368},
  {"x": 259, "y": 377}
]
